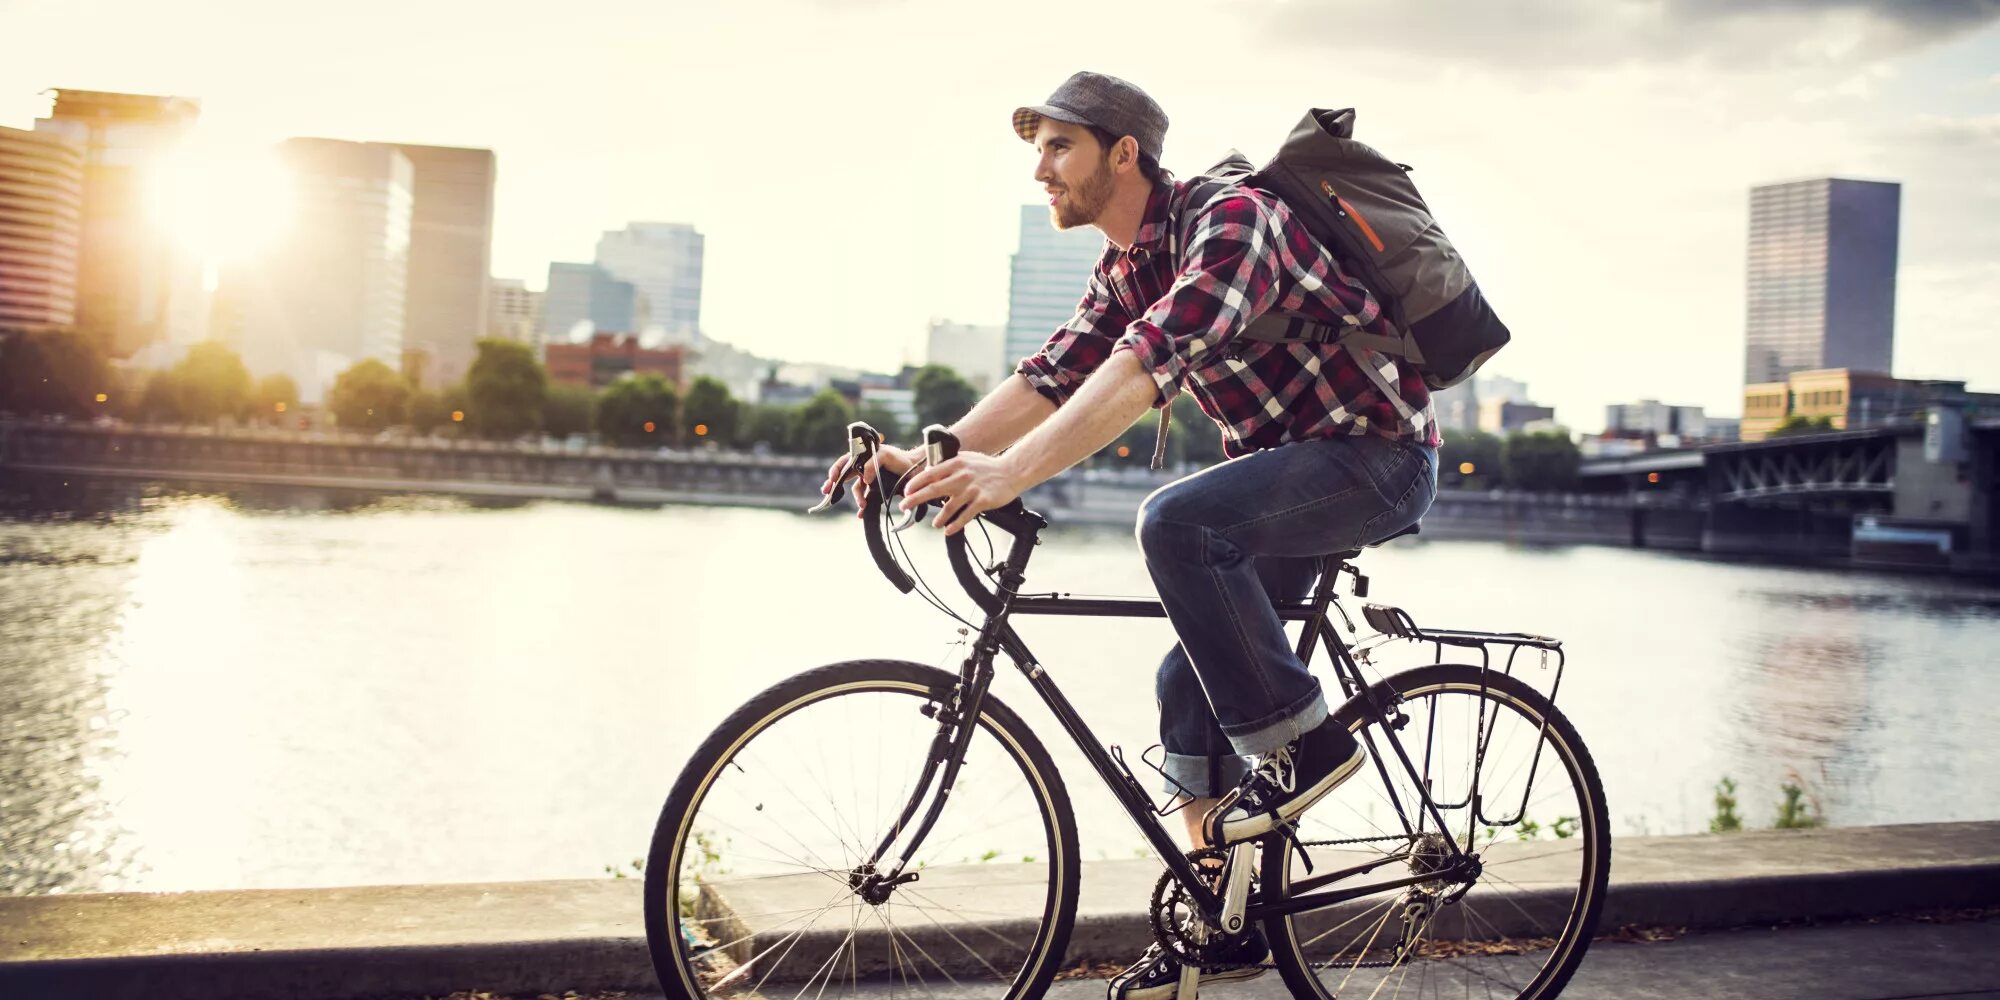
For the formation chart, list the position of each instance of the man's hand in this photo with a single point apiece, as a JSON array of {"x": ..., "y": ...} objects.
[
  {"x": 975, "y": 484},
  {"x": 898, "y": 461}
]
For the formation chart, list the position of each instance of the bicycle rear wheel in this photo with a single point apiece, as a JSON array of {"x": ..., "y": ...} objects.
[
  {"x": 755, "y": 878},
  {"x": 1537, "y": 825}
]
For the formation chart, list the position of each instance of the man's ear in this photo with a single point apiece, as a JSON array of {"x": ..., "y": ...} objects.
[{"x": 1128, "y": 151}]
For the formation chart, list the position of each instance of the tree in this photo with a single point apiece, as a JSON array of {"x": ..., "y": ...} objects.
[
  {"x": 213, "y": 382},
  {"x": 507, "y": 388},
  {"x": 710, "y": 413},
  {"x": 368, "y": 396},
  {"x": 941, "y": 395},
  {"x": 882, "y": 419},
  {"x": 1799, "y": 423},
  {"x": 1543, "y": 461},
  {"x": 822, "y": 425},
  {"x": 1475, "y": 449},
  {"x": 427, "y": 411},
  {"x": 52, "y": 372},
  {"x": 569, "y": 409},
  {"x": 161, "y": 400},
  {"x": 640, "y": 411},
  {"x": 273, "y": 397},
  {"x": 769, "y": 426}
]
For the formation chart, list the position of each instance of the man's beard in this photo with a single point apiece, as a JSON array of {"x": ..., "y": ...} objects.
[{"x": 1082, "y": 204}]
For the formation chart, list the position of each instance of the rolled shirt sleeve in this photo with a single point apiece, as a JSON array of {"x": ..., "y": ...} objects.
[
  {"x": 1079, "y": 346},
  {"x": 1229, "y": 276}
]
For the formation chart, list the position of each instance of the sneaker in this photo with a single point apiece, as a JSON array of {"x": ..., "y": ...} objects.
[
  {"x": 1285, "y": 782},
  {"x": 1157, "y": 975}
]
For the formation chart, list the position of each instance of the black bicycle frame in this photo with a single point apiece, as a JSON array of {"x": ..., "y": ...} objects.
[{"x": 997, "y": 635}]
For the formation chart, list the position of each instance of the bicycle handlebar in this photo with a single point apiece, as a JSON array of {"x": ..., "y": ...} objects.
[{"x": 940, "y": 446}]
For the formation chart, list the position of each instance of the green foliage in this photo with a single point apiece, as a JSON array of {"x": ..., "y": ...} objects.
[
  {"x": 1726, "y": 819},
  {"x": 505, "y": 389},
  {"x": 878, "y": 416},
  {"x": 770, "y": 426},
  {"x": 427, "y": 411},
  {"x": 1799, "y": 811},
  {"x": 1799, "y": 423},
  {"x": 368, "y": 396},
  {"x": 629, "y": 405},
  {"x": 821, "y": 425},
  {"x": 1542, "y": 461},
  {"x": 709, "y": 404},
  {"x": 941, "y": 395},
  {"x": 52, "y": 372},
  {"x": 273, "y": 397},
  {"x": 1480, "y": 449},
  {"x": 568, "y": 409},
  {"x": 212, "y": 382}
]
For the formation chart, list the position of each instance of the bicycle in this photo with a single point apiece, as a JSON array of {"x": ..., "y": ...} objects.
[{"x": 765, "y": 871}]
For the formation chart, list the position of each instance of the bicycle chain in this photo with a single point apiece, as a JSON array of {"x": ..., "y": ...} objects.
[{"x": 1344, "y": 965}]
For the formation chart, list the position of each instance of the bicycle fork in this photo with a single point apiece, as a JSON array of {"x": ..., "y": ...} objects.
[{"x": 958, "y": 720}]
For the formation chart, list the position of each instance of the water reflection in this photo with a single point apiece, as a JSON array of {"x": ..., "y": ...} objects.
[{"x": 299, "y": 688}]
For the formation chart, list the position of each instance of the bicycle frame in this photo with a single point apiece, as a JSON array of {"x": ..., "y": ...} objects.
[{"x": 997, "y": 635}]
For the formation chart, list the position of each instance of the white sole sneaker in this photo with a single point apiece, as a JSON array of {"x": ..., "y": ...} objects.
[{"x": 1237, "y": 825}]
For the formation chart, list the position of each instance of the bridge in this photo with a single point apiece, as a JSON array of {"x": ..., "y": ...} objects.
[{"x": 1822, "y": 495}]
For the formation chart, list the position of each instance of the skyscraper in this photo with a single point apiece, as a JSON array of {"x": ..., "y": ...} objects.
[
  {"x": 41, "y": 213},
  {"x": 1822, "y": 277},
  {"x": 332, "y": 291},
  {"x": 664, "y": 261},
  {"x": 129, "y": 272},
  {"x": 514, "y": 313},
  {"x": 586, "y": 292},
  {"x": 1050, "y": 271},
  {"x": 451, "y": 248}
]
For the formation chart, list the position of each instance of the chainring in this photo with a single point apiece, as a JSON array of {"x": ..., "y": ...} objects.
[{"x": 1177, "y": 922}]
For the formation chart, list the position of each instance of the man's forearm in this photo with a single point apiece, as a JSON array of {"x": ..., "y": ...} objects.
[
  {"x": 1008, "y": 412},
  {"x": 1111, "y": 400}
]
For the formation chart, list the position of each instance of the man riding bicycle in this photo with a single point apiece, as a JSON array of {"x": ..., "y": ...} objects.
[{"x": 1332, "y": 446}]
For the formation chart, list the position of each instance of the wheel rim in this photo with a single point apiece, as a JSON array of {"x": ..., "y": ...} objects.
[
  {"x": 1519, "y": 925},
  {"x": 762, "y": 888}
]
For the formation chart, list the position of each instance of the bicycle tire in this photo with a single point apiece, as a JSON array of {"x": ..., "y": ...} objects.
[
  {"x": 1591, "y": 834},
  {"x": 680, "y": 965}
]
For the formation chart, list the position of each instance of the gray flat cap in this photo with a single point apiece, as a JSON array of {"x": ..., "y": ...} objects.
[{"x": 1104, "y": 101}]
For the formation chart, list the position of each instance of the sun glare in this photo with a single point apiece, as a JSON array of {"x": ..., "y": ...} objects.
[{"x": 223, "y": 203}]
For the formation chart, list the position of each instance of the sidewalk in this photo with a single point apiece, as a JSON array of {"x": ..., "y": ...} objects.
[{"x": 529, "y": 938}]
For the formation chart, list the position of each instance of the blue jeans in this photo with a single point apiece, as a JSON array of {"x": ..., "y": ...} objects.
[{"x": 1221, "y": 545}]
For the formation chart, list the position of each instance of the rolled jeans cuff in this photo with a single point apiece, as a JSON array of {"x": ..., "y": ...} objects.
[
  {"x": 1188, "y": 775},
  {"x": 1280, "y": 727}
]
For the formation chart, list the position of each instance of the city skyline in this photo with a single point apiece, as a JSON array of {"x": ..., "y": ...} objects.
[{"x": 1661, "y": 131}]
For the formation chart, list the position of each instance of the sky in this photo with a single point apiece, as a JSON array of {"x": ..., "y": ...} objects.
[{"x": 851, "y": 165}]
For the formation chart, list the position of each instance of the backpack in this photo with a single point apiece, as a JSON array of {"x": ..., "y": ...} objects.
[{"x": 1363, "y": 208}]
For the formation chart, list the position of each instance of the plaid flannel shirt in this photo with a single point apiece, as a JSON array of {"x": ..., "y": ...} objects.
[{"x": 1181, "y": 312}]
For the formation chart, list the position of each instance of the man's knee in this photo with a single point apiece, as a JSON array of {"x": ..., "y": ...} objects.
[{"x": 1159, "y": 531}]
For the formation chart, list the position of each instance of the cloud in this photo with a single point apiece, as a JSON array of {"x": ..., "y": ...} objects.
[{"x": 1528, "y": 36}]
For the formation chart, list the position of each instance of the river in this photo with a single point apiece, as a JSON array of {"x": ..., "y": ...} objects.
[{"x": 282, "y": 689}]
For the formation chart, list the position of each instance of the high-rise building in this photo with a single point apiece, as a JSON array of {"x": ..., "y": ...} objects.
[
  {"x": 971, "y": 351},
  {"x": 663, "y": 260},
  {"x": 332, "y": 291},
  {"x": 1050, "y": 271},
  {"x": 1822, "y": 277},
  {"x": 514, "y": 313},
  {"x": 41, "y": 219},
  {"x": 129, "y": 272},
  {"x": 451, "y": 249},
  {"x": 579, "y": 293}
]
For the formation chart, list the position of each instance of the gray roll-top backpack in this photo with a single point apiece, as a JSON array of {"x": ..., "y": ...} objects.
[{"x": 1362, "y": 206}]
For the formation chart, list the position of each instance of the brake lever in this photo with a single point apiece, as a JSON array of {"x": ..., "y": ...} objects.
[
  {"x": 862, "y": 441},
  {"x": 939, "y": 447}
]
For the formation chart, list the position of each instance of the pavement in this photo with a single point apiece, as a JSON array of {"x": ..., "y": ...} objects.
[{"x": 535, "y": 937}]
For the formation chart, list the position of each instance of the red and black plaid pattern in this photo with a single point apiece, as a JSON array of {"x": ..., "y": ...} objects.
[{"x": 1180, "y": 312}]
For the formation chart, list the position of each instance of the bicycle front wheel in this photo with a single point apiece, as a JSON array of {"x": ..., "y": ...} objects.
[
  {"x": 758, "y": 877},
  {"x": 1515, "y": 789}
]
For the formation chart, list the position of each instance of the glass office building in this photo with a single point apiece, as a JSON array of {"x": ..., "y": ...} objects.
[
  {"x": 1822, "y": 277},
  {"x": 1049, "y": 274}
]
